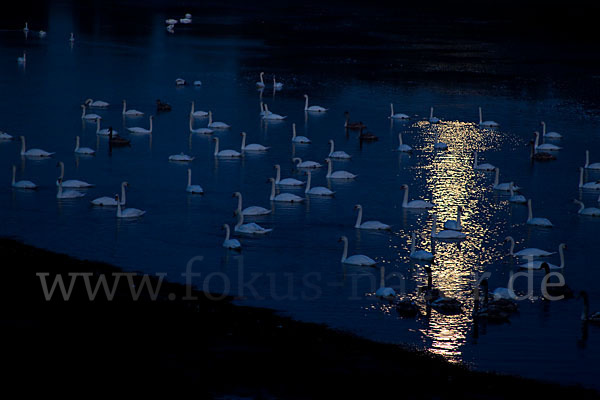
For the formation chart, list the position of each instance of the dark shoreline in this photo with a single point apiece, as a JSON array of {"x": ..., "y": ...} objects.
[{"x": 213, "y": 348}]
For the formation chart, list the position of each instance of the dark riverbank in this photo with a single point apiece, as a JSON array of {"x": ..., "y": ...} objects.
[{"x": 210, "y": 348}]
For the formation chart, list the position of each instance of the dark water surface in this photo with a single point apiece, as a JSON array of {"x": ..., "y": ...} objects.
[{"x": 125, "y": 53}]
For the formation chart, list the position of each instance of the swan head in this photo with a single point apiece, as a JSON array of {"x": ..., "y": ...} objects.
[
  {"x": 330, "y": 141},
  {"x": 536, "y": 133},
  {"x": 22, "y": 138},
  {"x": 236, "y": 194},
  {"x": 270, "y": 180},
  {"x": 262, "y": 73},
  {"x": 357, "y": 207},
  {"x": 243, "y": 134},
  {"x": 328, "y": 160},
  {"x": 276, "y": 166},
  {"x": 404, "y": 187},
  {"x": 343, "y": 239},
  {"x": 88, "y": 101},
  {"x": 117, "y": 198},
  {"x": 508, "y": 239},
  {"x": 484, "y": 283}
]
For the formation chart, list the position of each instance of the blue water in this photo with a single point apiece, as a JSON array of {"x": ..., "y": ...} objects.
[{"x": 296, "y": 268}]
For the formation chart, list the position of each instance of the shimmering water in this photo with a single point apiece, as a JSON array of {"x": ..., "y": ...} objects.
[{"x": 296, "y": 268}]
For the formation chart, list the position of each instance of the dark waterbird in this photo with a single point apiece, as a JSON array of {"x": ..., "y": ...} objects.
[
  {"x": 116, "y": 140},
  {"x": 352, "y": 125},
  {"x": 539, "y": 155},
  {"x": 160, "y": 106},
  {"x": 367, "y": 136}
]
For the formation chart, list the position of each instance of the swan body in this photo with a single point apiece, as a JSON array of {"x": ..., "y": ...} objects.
[
  {"x": 358, "y": 259},
  {"x": 21, "y": 184},
  {"x": 551, "y": 135},
  {"x": 72, "y": 183},
  {"x": 384, "y": 292},
  {"x": 72, "y": 38},
  {"x": 96, "y": 104},
  {"x": 317, "y": 190},
  {"x": 171, "y": 21},
  {"x": 193, "y": 189},
  {"x": 341, "y": 155},
  {"x": 590, "y": 211},
  {"x": 506, "y": 187},
  {"x": 487, "y": 124},
  {"x": 397, "y": 116},
  {"x": 216, "y": 125},
  {"x": 249, "y": 211},
  {"x": 22, "y": 60},
  {"x": 130, "y": 113},
  {"x": 67, "y": 194},
  {"x": 312, "y": 108},
  {"x": 89, "y": 117},
  {"x": 42, "y": 34},
  {"x": 225, "y": 153},
  {"x": 26, "y": 29},
  {"x": 537, "y": 221},
  {"x": 545, "y": 146},
  {"x": 306, "y": 164},
  {"x": 232, "y": 244},
  {"x": 286, "y": 181},
  {"x": 83, "y": 150},
  {"x": 530, "y": 252},
  {"x": 277, "y": 85},
  {"x": 587, "y": 162},
  {"x": 180, "y": 82},
  {"x": 181, "y": 158},
  {"x": 250, "y": 228},
  {"x": 516, "y": 198},
  {"x": 37, "y": 153},
  {"x": 197, "y": 114},
  {"x": 197, "y": 83},
  {"x": 253, "y": 147},
  {"x": 372, "y": 225},
  {"x": 298, "y": 139},
  {"x": 455, "y": 225},
  {"x": 202, "y": 131},
  {"x": 272, "y": 116},
  {"x": 104, "y": 131},
  {"x": 403, "y": 147},
  {"x": 538, "y": 264},
  {"x": 418, "y": 254},
  {"x": 283, "y": 197},
  {"x": 140, "y": 130},
  {"x": 5, "y": 136},
  {"x": 263, "y": 112},
  {"x": 432, "y": 119},
  {"x": 482, "y": 167},
  {"x": 261, "y": 83},
  {"x": 414, "y": 204},
  {"x": 111, "y": 201},
  {"x": 185, "y": 20},
  {"x": 342, "y": 175},
  {"x": 437, "y": 145},
  {"x": 128, "y": 212},
  {"x": 445, "y": 234},
  {"x": 588, "y": 185}
]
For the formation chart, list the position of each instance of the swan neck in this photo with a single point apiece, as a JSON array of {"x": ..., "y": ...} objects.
[
  {"x": 400, "y": 138},
  {"x": 537, "y": 140},
  {"x": 497, "y": 178},
  {"x": 239, "y": 206},
  {"x": 544, "y": 128},
  {"x": 240, "y": 220},
  {"x": 587, "y": 158},
  {"x": 123, "y": 198},
  {"x": 580, "y": 177},
  {"x": 382, "y": 277},
  {"x": 345, "y": 253},
  {"x": 512, "y": 246},
  {"x": 243, "y": 140},
  {"x": 216, "y": 146},
  {"x": 151, "y": 124},
  {"x": 431, "y": 113},
  {"x": 458, "y": 214},
  {"x": 480, "y": 116},
  {"x": 412, "y": 243},
  {"x": 305, "y": 103},
  {"x": 97, "y": 125},
  {"x": 405, "y": 200},
  {"x": 14, "y": 174},
  {"x": 293, "y": 131},
  {"x": 529, "y": 210},
  {"x": 62, "y": 170},
  {"x": 331, "y": 147},
  {"x": 77, "y": 143},
  {"x": 308, "y": 181},
  {"x": 82, "y": 111},
  {"x": 358, "y": 218},
  {"x": 278, "y": 176},
  {"x": 22, "y": 144},
  {"x": 124, "y": 106},
  {"x": 329, "y": 168},
  {"x": 119, "y": 211},
  {"x": 392, "y": 108},
  {"x": 562, "y": 256},
  {"x": 272, "y": 190},
  {"x": 476, "y": 161},
  {"x": 189, "y": 177},
  {"x": 191, "y": 112},
  {"x": 226, "y": 232}
]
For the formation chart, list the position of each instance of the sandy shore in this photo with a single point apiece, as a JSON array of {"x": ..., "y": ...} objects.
[{"x": 212, "y": 348}]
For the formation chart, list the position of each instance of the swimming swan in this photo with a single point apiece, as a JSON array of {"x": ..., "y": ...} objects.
[
  {"x": 37, "y": 153},
  {"x": 254, "y": 147},
  {"x": 202, "y": 131},
  {"x": 403, "y": 147},
  {"x": 357, "y": 259},
  {"x": 72, "y": 183},
  {"x": 372, "y": 225},
  {"x": 397, "y": 116},
  {"x": 591, "y": 211},
  {"x": 445, "y": 234},
  {"x": 270, "y": 116},
  {"x": 432, "y": 119},
  {"x": 422, "y": 255},
  {"x": 384, "y": 292},
  {"x": 130, "y": 113},
  {"x": 551, "y": 135},
  {"x": 342, "y": 155},
  {"x": 587, "y": 162},
  {"x": 538, "y": 264},
  {"x": 544, "y": 146},
  {"x": 455, "y": 225},
  {"x": 585, "y": 314},
  {"x": 312, "y": 108},
  {"x": 232, "y": 244},
  {"x": 298, "y": 139},
  {"x": 283, "y": 197},
  {"x": 89, "y": 117},
  {"x": 83, "y": 150},
  {"x": 250, "y": 228},
  {"x": 261, "y": 84},
  {"x": 194, "y": 189},
  {"x": 216, "y": 125},
  {"x": 140, "y": 130},
  {"x": 306, "y": 164},
  {"x": 587, "y": 185},
  {"x": 317, "y": 190},
  {"x": 128, "y": 212},
  {"x": 506, "y": 187},
  {"x": 111, "y": 201},
  {"x": 96, "y": 104},
  {"x": 21, "y": 184},
  {"x": 482, "y": 167},
  {"x": 530, "y": 252},
  {"x": 181, "y": 158},
  {"x": 104, "y": 131},
  {"x": 197, "y": 114},
  {"x": 225, "y": 153},
  {"x": 249, "y": 211},
  {"x": 516, "y": 198},
  {"x": 342, "y": 175},
  {"x": 286, "y": 181},
  {"x": 67, "y": 194},
  {"x": 486, "y": 124},
  {"x": 414, "y": 204},
  {"x": 537, "y": 221}
]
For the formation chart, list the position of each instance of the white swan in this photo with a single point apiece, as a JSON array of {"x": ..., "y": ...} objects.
[
  {"x": 197, "y": 114},
  {"x": 72, "y": 183},
  {"x": 72, "y": 38},
  {"x": 5, "y": 136},
  {"x": 432, "y": 119},
  {"x": 587, "y": 185},
  {"x": 96, "y": 104},
  {"x": 587, "y": 162},
  {"x": 530, "y": 252},
  {"x": 445, "y": 234},
  {"x": 263, "y": 112},
  {"x": 506, "y": 187},
  {"x": 194, "y": 189},
  {"x": 415, "y": 204},
  {"x": 26, "y": 29},
  {"x": 272, "y": 116},
  {"x": 216, "y": 125},
  {"x": 340, "y": 155},
  {"x": 180, "y": 82},
  {"x": 261, "y": 83},
  {"x": 185, "y": 20},
  {"x": 171, "y": 21},
  {"x": 544, "y": 146},
  {"x": 482, "y": 167},
  {"x": 22, "y": 60},
  {"x": 298, "y": 139},
  {"x": 83, "y": 150},
  {"x": 253, "y": 147},
  {"x": 373, "y": 225},
  {"x": 42, "y": 34},
  {"x": 384, "y": 292},
  {"x": 140, "y": 130},
  {"x": 317, "y": 190},
  {"x": 202, "y": 131},
  {"x": 67, "y": 194},
  {"x": 403, "y": 147},
  {"x": 455, "y": 225},
  {"x": 250, "y": 228},
  {"x": 357, "y": 259},
  {"x": 486, "y": 124},
  {"x": 342, "y": 175},
  {"x": 88, "y": 117},
  {"x": 591, "y": 211},
  {"x": 33, "y": 152},
  {"x": 539, "y": 264},
  {"x": 536, "y": 221},
  {"x": 128, "y": 212},
  {"x": 437, "y": 145},
  {"x": 306, "y": 164},
  {"x": 422, "y": 255},
  {"x": 312, "y": 108},
  {"x": 232, "y": 244},
  {"x": 21, "y": 184},
  {"x": 104, "y": 131},
  {"x": 516, "y": 198},
  {"x": 397, "y": 116},
  {"x": 551, "y": 135},
  {"x": 111, "y": 201},
  {"x": 286, "y": 181},
  {"x": 197, "y": 83},
  {"x": 181, "y": 158},
  {"x": 277, "y": 85},
  {"x": 283, "y": 197},
  {"x": 225, "y": 153},
  {"x": 130, "y": 113},
  {"x": 249, "y": 211}
]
